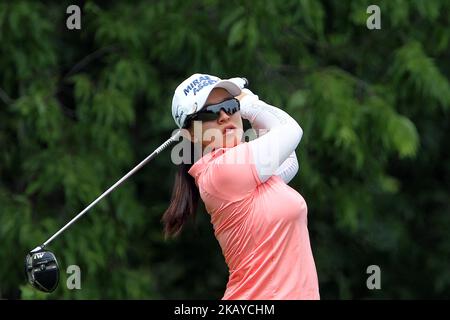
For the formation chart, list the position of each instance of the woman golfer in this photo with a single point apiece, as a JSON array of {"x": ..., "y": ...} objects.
[{"x": 259, "y": 221}]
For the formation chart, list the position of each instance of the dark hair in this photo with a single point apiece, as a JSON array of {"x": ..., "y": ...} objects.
[{"x": 184, "y": 200}]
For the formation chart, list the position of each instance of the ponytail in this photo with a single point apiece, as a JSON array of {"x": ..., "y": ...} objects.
[{"x": 183, "y": 203}]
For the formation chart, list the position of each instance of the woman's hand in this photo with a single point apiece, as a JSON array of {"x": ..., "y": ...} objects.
[
  {"x": 242, "y": 95},
  {"x": 246, "y": 93}
]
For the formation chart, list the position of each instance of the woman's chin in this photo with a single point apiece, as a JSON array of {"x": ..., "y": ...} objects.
[
  {"x": 231, "y": 141},
  {"x": 226, "y": 141}
]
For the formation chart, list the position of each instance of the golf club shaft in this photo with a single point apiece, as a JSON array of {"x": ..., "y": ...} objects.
[
  {"x": 240, "y": 81},
  {"x": 169, "y": 141}
]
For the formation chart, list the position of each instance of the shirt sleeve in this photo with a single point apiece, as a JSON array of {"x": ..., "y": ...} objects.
[{"x": 231, "y": 176}]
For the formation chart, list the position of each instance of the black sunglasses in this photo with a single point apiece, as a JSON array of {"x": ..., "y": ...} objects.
[{"x": 212, "y": 111}]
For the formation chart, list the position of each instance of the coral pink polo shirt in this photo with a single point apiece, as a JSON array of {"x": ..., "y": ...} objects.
[{"x": 261, "y": 227}]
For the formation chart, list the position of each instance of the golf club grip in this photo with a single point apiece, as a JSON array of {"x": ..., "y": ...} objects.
[
  {"x": 246, "y": 83},
  {"x": 167, "y": 143},
  {"x": 241, "y": 82}
]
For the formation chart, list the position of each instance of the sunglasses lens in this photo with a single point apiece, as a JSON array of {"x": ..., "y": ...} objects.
[
  {"x": 229, "y": 106},
  {"x": 211, "y": 112}
]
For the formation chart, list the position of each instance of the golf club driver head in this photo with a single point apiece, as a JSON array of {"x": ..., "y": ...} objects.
[{"x": 42, "y": 270}]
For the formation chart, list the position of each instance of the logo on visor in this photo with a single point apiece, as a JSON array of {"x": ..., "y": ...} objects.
[
  {"x": 179, "y": 112},
  {"x": 198, "y": 84}
]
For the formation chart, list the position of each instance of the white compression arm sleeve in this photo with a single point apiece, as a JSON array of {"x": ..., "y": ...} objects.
[
  {"x": 288, "y": 168},
  {"x": 274, "y": 151}
]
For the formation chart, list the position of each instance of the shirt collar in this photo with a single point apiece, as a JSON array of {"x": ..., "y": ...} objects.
[{"x": 201, "y": 163}]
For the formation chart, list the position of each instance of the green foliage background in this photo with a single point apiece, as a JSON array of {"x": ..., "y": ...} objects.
[{"x": 79, "y": 108}]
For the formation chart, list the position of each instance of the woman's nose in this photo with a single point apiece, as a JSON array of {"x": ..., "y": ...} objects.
[{"x": 223, "y": 116}]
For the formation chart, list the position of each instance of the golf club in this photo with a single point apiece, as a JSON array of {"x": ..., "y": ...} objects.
[{"x": 41, "y": 266}]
